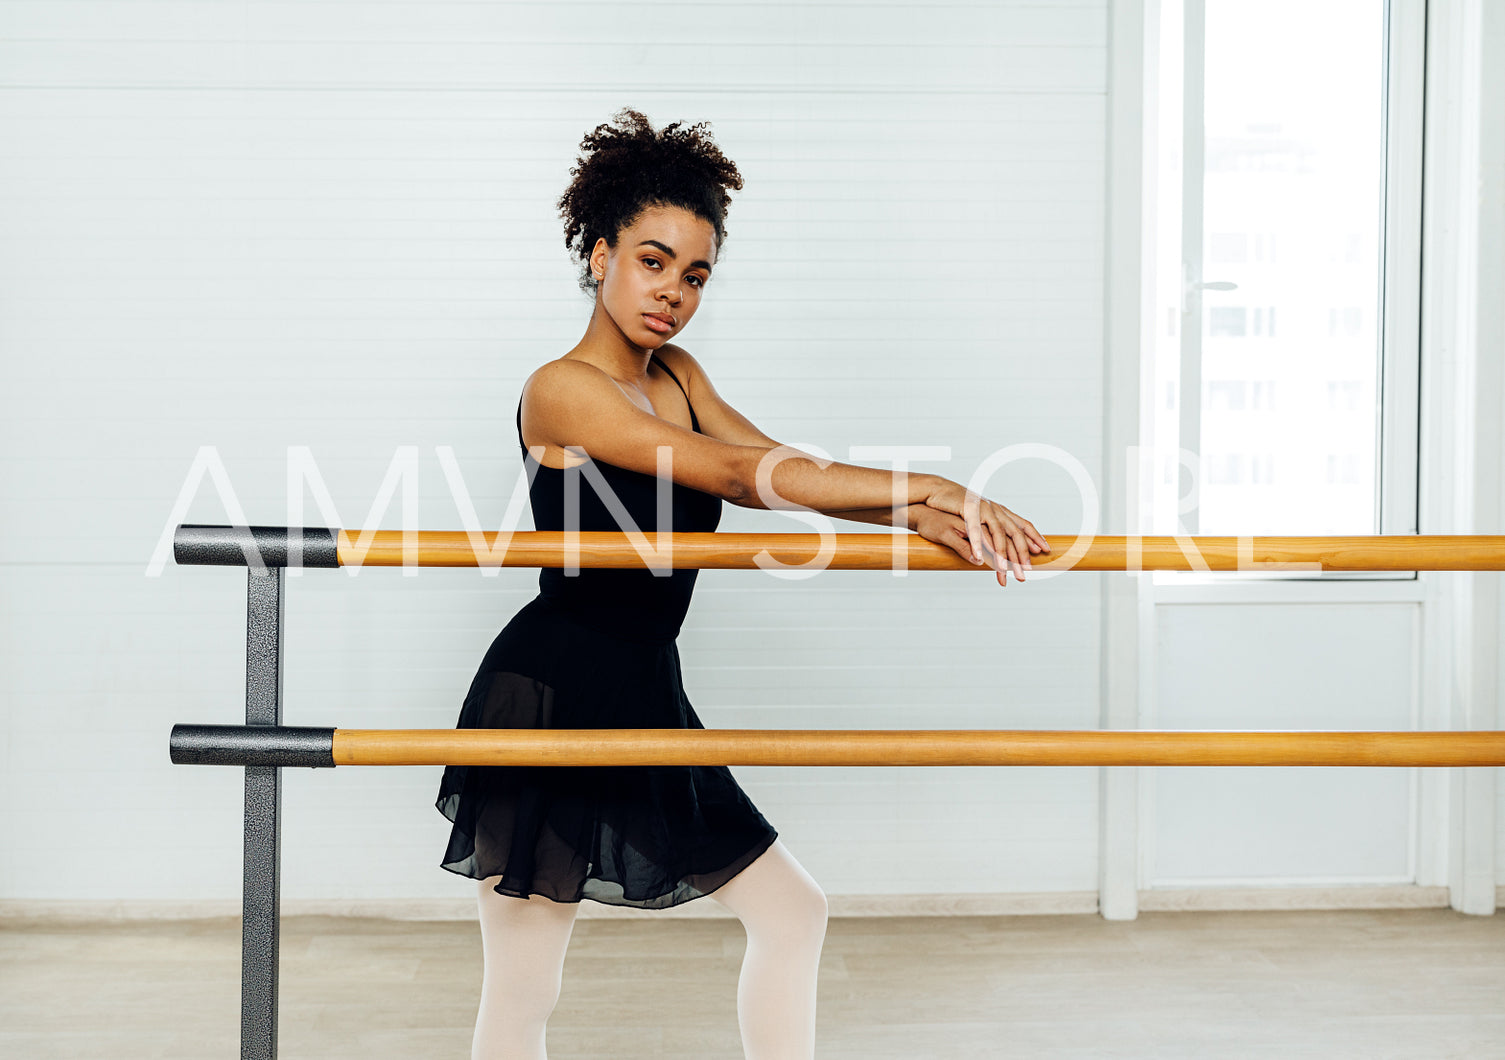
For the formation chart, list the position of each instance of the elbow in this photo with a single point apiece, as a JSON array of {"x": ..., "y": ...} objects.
[
  {"x": 742, "y": 480},
  {"x": 739, "y": 491}
]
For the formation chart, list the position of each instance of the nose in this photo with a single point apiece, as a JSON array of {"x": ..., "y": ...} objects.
[{"x": 670, "y": 291}]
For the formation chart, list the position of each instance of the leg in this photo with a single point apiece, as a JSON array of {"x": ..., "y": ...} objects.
[
  {"x": 523, "y": 941},
  {"x": 784, "y": 912}
]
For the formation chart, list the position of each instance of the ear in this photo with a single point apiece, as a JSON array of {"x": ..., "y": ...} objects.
[{"x": 598, "y": 258}]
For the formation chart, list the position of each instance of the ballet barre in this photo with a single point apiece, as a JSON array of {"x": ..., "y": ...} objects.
[
  {"x": 268, "y": 745},
  {"x": 264, "y": 746},
  {"x": 279, "y": 546}
]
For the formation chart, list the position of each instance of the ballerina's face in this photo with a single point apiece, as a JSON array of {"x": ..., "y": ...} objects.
[{"x": 652, "y": 282}]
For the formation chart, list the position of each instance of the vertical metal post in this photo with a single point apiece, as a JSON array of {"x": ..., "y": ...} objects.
[{"x": 260, "y": 937}]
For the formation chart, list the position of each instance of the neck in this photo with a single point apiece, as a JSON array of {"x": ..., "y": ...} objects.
[{"x": 605, "y": 346}]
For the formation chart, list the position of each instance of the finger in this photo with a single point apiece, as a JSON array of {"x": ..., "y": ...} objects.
[
  {"x": 1021, "y": 547},
  {"x": 1000, "y": 545},
  {"x": 1033, "y": 536},
  {"x": 1007, "y": 545},
  {"x": 998, "y": 563},
  {"x": 960, "y": 543},
  {"x": 972, "y": 509},
  {"x": 997, "y": 548},
  {"x": 1022, "y": 530}
]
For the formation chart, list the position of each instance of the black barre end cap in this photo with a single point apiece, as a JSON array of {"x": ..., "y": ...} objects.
[
  {"x": 240, "y": 546},
  {"x": 251, "y": 745}
]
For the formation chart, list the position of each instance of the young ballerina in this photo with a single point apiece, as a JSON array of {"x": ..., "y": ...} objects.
[{"x": 645, "y": 214}]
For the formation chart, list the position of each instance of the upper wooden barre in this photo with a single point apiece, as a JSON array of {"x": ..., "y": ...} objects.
[
  {"x": 869, "y": 551},
  {"x": 918, "y": 747},
  {"x": 281, "y": 546}
]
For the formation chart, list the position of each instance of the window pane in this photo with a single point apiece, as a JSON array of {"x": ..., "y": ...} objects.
[{"x": 1293, "y": 214}]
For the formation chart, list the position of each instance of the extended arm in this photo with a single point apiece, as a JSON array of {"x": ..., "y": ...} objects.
[
  {"x": 769, "y": 474},
  {"x": 774, "y": 475},
  {"x": 880, "y": 516}
]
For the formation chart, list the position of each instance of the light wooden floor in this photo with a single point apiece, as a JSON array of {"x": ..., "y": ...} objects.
[{"x": 1413, "y": 983}]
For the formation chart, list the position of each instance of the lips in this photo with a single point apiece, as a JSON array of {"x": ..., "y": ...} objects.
[{"x": 662, "y": 318}]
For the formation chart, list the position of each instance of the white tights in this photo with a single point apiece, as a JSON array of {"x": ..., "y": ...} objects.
[
  {"x": 781, "y": 907},
  {"x": 523, "y": 942}
]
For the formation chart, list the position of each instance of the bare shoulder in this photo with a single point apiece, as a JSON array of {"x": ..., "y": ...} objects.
[
  {"x": 717, "y": 417},
  {"x": 559, "y": 393},
  {"x": 574, "y": 409},
  {"x": 561, "y": 368},
  {"x": 683, "y": 365},
  {"x": 562, "y": 374}
]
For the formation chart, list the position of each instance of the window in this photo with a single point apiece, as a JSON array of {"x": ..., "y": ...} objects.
[
  {"x": 1224, "y": 248},
  {"x": 1228, "y": 321},
  {"x": 1289, "y": 191}
]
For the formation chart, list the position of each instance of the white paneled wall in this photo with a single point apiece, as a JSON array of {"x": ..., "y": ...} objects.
[
  {"x": 1291, "y": 666},
  {"x": 330, "y": 225}
]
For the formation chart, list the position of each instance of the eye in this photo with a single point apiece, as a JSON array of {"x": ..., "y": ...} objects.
[{"x": 699, "y": 281}]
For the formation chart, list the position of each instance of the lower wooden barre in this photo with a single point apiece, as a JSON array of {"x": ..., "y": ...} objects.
[{"x": 919, "y": 747}]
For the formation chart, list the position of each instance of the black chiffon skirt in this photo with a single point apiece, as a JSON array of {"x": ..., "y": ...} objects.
[{"x": 644, "y": 836}]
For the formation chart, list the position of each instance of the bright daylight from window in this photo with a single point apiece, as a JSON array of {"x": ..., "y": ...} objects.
[{"x": 1293, "y": 214}]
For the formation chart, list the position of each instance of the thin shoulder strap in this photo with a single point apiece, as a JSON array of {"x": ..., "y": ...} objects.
[{"x": 693, "y": 418}]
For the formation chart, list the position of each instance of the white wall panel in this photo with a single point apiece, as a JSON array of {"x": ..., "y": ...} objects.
[
  {"x": 1308, "y": 666},
  {"x": 257, "y": 226}
]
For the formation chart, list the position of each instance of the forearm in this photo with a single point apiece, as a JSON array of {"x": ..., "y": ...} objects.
[
  {"x": 880, "y": 516},
  {"x": 786, "y": 477}
]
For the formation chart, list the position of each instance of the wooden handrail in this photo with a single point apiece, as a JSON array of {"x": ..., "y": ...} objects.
[
  {"x": 920, "y": 747},
  {"x": 280, "y": 546},
  {"x": 870, "y": 551}
]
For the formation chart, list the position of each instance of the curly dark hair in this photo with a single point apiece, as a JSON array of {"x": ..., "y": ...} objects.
[{"x": 625, "y": 167}]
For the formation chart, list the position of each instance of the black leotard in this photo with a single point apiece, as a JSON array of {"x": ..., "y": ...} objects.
[
  {"x": 598, "y": 650},
  {"x": 638, "y": 603}
]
